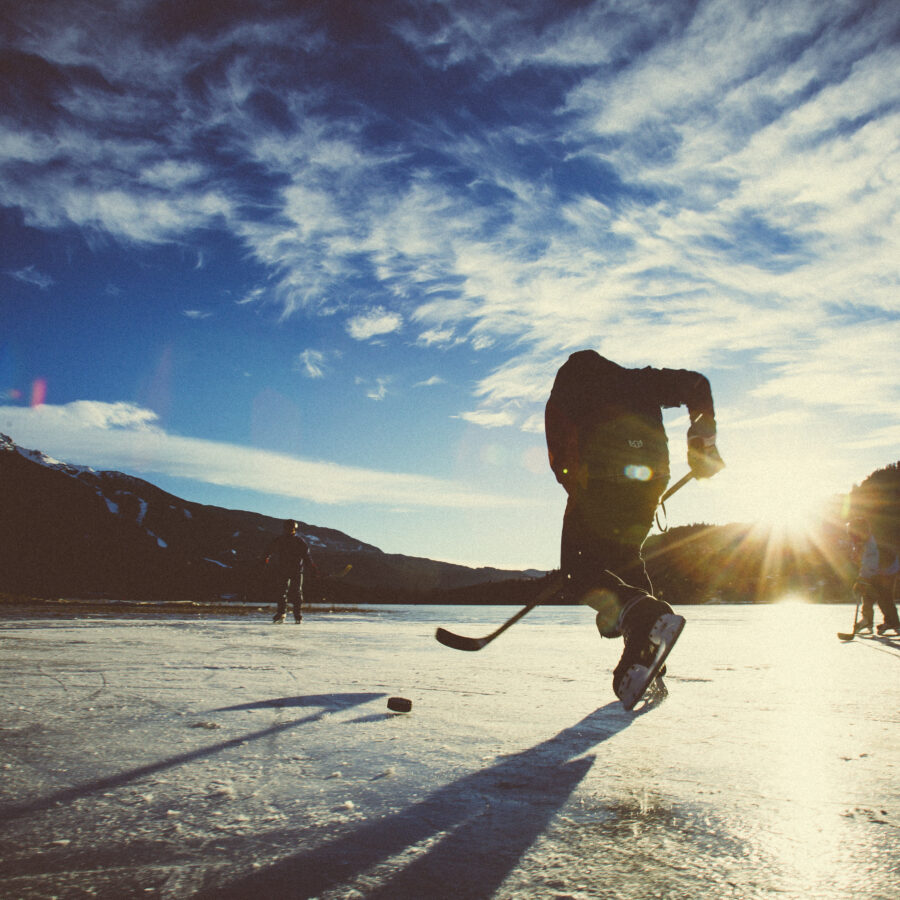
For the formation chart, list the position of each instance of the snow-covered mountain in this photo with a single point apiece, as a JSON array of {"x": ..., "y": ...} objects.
[{"x": 71, "y": 529}]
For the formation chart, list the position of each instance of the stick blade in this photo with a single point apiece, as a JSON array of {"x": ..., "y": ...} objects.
[
  {"x": 843, "y": 636},
  {"x": 458, "y": 641}
]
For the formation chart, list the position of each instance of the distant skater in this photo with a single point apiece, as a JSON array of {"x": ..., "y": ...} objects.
[
  {"x": 288, "y": 561},
  {"x": 608, "y": 449},
  {"x": 878, "y": 568}
]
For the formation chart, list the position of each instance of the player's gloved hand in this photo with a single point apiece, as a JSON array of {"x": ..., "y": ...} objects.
[{"x": 703, "y": 457}]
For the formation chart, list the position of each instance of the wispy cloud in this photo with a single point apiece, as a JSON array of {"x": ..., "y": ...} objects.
[
  {"x": 30, "y": 275},
  {"x": 376, "y": 389},
  {"x": 253, "y": 296},
  {"x": 888, "y": 437},
  {"x": 172, "y": 174},
  {"x": 127, "y": 437},
  {"x": 432, "y": 337},
  {"x": 489, "y": 419},
  {"x": 312, "y": 363},
  {"x": 374, "y": 322},
  {"x": 850, "y": 367},
  {"x": 379, "y": 392}
]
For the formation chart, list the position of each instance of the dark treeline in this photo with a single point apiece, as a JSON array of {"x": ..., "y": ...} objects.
[
  {"x": 709, "y": 564},
  {"x": 878, "y": 499},
  {"x": 743, "y": 563}
]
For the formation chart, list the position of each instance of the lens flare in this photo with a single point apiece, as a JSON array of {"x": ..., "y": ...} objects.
[
  {"x": 38, "y": 392},
  {"x": 638, "y": 473}
]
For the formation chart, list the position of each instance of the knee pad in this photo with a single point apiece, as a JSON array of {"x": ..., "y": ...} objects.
[
  {"x": 607, "y": 605},
  {"x": 606, "y": 630}
]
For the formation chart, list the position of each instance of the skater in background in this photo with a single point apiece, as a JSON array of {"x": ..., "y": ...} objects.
[
  {"x": 288, "y": 561},
  {"x": 878, "y": 567},
  {"x": 608, "y": 449}
]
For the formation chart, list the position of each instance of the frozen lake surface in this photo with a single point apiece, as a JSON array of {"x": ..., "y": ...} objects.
[{"x": 227, "y": 757}]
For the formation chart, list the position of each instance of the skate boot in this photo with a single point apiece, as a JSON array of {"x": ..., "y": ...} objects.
[
  {"x": 885, "y": 628},
  {"x": 861, "y": 626},
  {"x": 650, "y": 630},
  {"x": 278, "y": 618}
]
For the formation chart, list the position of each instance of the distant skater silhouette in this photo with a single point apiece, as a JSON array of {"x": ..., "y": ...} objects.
[
  {"x": 288, "y": 561},
  {"x": 878, "y": 567},
  {"x": 608, "y": 449}
]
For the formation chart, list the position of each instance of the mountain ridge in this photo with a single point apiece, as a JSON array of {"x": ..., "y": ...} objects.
[{"x": 69, "y": 526}]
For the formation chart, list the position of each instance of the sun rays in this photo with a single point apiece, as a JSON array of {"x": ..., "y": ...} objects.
[{"x": 760, "y": 562}]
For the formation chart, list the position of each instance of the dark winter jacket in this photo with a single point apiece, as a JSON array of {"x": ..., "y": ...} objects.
[
  {"x": 288, "y": 554},
  {"x": 602, "y": 419}
]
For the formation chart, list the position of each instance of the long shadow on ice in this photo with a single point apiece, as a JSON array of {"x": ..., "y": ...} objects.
[
  {"x": 477, "y": 827},
  {"x": 326, "y": 703},
  {"x": 330, "y": 702}
]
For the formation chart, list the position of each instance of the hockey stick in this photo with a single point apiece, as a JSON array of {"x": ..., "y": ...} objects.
[
  {"x": 843, "y": 636},
  {"x": 676, "y": 487},
  {"x": 460, "y": 642},
  {"x": 661, "y": 505}
]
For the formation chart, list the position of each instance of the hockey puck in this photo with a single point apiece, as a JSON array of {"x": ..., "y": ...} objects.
[{"x": 399, "y": 704}]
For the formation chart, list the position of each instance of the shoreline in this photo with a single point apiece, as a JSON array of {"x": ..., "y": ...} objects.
[{"x": 73, "y": 607}]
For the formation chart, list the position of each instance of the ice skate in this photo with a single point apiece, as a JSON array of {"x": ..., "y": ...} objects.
[
  {"x": 277, "y": 619},
  {"x": 650, "y": 629},
  {"x": 863, "y": 626},
  {"x": 885, "y": 628}
]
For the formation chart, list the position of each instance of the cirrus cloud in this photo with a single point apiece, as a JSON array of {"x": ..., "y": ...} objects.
[
  {"x": 128, "y": 437},
  {"x": 373, "y": 323}
]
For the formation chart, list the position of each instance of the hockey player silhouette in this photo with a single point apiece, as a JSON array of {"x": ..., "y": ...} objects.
[
  {"x": 287, "y": 563},
  {"x": 608, "y": 448}
]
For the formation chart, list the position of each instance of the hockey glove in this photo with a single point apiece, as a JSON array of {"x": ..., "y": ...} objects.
[{"x": 703, "y": 457}]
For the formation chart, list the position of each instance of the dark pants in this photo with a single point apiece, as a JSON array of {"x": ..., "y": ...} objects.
[
  {"x": 604, "y": 528},
  {"x": 289, "y": 589},
  {"x": 878, "y": 589}
]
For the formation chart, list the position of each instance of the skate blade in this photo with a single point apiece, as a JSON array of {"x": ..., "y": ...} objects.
[
  {"x": 638, "y": 678},
  {"x": 655, "y": 694}
]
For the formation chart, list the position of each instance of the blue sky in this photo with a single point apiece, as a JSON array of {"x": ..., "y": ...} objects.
[{"x": 324, "y": 259}]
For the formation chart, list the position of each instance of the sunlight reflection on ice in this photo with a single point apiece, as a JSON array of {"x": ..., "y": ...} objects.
[{"x": 805, "y": 834}]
